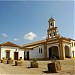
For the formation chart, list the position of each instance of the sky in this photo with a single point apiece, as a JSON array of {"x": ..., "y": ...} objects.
[{"x": 23, "y": 22}]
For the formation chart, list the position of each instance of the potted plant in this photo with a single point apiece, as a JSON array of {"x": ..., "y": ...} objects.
[
  {"x": 19, "y": 62},
  {"x": 2, "y": 61},
  {"x": 54, "y": 66},
  {"x": 34, "y": 63}
]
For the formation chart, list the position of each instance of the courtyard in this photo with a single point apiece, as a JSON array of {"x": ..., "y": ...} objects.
[{"x": 67, "y": 66}]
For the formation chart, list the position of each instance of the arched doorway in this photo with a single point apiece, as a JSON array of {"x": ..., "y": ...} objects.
[
  {"x": 53, "y": 51},
  {"x": 67, "y": 55}
]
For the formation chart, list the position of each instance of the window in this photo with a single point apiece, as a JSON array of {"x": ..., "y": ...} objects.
[
  {"x": 72, "y": 44},
  {"x": 51, "y": 24},
  {"x": 39, "y": 50},
  {"x": 54, "y": 33},
  {"x": 7, "y": 54},
  {"x": 50, "y": 34}
]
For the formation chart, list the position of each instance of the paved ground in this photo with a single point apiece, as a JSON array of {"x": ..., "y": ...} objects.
[{"x": 68, "y": 68}]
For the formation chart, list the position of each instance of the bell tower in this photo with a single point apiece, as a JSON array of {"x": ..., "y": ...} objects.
[{"x": 52, "y": 29}]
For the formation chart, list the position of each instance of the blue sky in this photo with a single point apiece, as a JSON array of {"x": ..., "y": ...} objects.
[{"x": 23, "y": 22}]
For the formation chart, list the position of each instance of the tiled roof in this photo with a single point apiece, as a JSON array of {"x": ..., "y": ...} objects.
[
  {"x": 9, "y": 44},
  {"x": 33, "y": 43},
  {"x": 31, "y": 47}
]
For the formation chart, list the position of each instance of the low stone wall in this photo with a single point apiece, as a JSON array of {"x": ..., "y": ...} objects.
[
  {"x": 18, "y": 63},
  {"x": 9, "y": 61},
  {"x": 4, "y": 61}
]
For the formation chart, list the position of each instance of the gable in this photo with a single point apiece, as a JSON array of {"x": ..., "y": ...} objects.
[{"x": 9, "y": 44}]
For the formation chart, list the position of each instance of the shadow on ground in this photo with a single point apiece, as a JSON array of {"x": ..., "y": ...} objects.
[
  {"x": 48, "y": 72},
  {"x": 30, "y": 67},
  {"x": 13, "y": 65}
]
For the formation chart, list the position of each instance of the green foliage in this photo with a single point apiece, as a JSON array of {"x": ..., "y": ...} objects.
[
  {"x": 9, "y": 58},
  {"x": 3, "y": 58},
  {"x": 34, "y": 60}
]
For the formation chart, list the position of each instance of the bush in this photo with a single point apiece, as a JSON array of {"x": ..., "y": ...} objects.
[
  {"x": 34, "y": 60},
  {"x": 34, "y": 63},
  {"x": 9, "y": 58},
  {"x": 18, "y": 63},
  {"x": 3, "y": 58},
  {"x": 20, "y": 59}
]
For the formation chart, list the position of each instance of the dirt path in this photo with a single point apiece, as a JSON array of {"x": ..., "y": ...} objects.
[{"x": 68, "y": 68}]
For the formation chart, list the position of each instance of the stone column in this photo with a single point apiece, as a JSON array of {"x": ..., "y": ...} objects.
[
  {"x": 45, "y": 50},
  {"x": 61, "y": 49},
  {"x": 70, "y": 51}
]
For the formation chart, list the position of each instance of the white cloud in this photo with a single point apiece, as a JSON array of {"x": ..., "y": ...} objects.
[
  {"x": 4, "y": 34},
  {"x": 15, "y": 39},
  {"x": 29, "y": 36},
  {"x": 44, "y": 37}
]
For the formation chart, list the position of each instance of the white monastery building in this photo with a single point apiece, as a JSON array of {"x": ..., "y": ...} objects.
[{"x": 53, "y": 45}]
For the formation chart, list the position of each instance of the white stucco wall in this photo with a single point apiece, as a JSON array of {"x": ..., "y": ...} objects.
[
  {"x": 73, "y": 48},
  {"x": 12, "y": 50},
  {"x": 21, "y": 53},
  {"x": 35, "y": 52}
]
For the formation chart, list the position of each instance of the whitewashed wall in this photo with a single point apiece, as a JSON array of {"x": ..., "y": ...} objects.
[
  {"x": 12, "y": 50},
  {"x": 73, "y": 48},
  {"x": 21, "y": 53},
  {"x": 35, "y": 52}
]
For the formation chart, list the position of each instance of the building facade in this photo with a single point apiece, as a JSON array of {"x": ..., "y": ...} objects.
[
  {"x": 53, "y": 45},
  {"x": 11, "y": 50}
]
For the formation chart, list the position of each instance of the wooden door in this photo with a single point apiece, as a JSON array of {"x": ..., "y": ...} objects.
[
  {"x": 49, "y": 53},
  {"x": 15, "y": 55},
  {"x": 28, "y": 55},
  {"x": 24, "y": 55},
  {"x": 7, "y": 54}
]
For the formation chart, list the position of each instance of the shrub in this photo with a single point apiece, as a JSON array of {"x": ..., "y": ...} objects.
[
  {"x": 34, "y": 63},
  {"x": 9, "y": 58},
  {"x": 3, "y": 58},
  {"x": 34, "y": 60}
]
